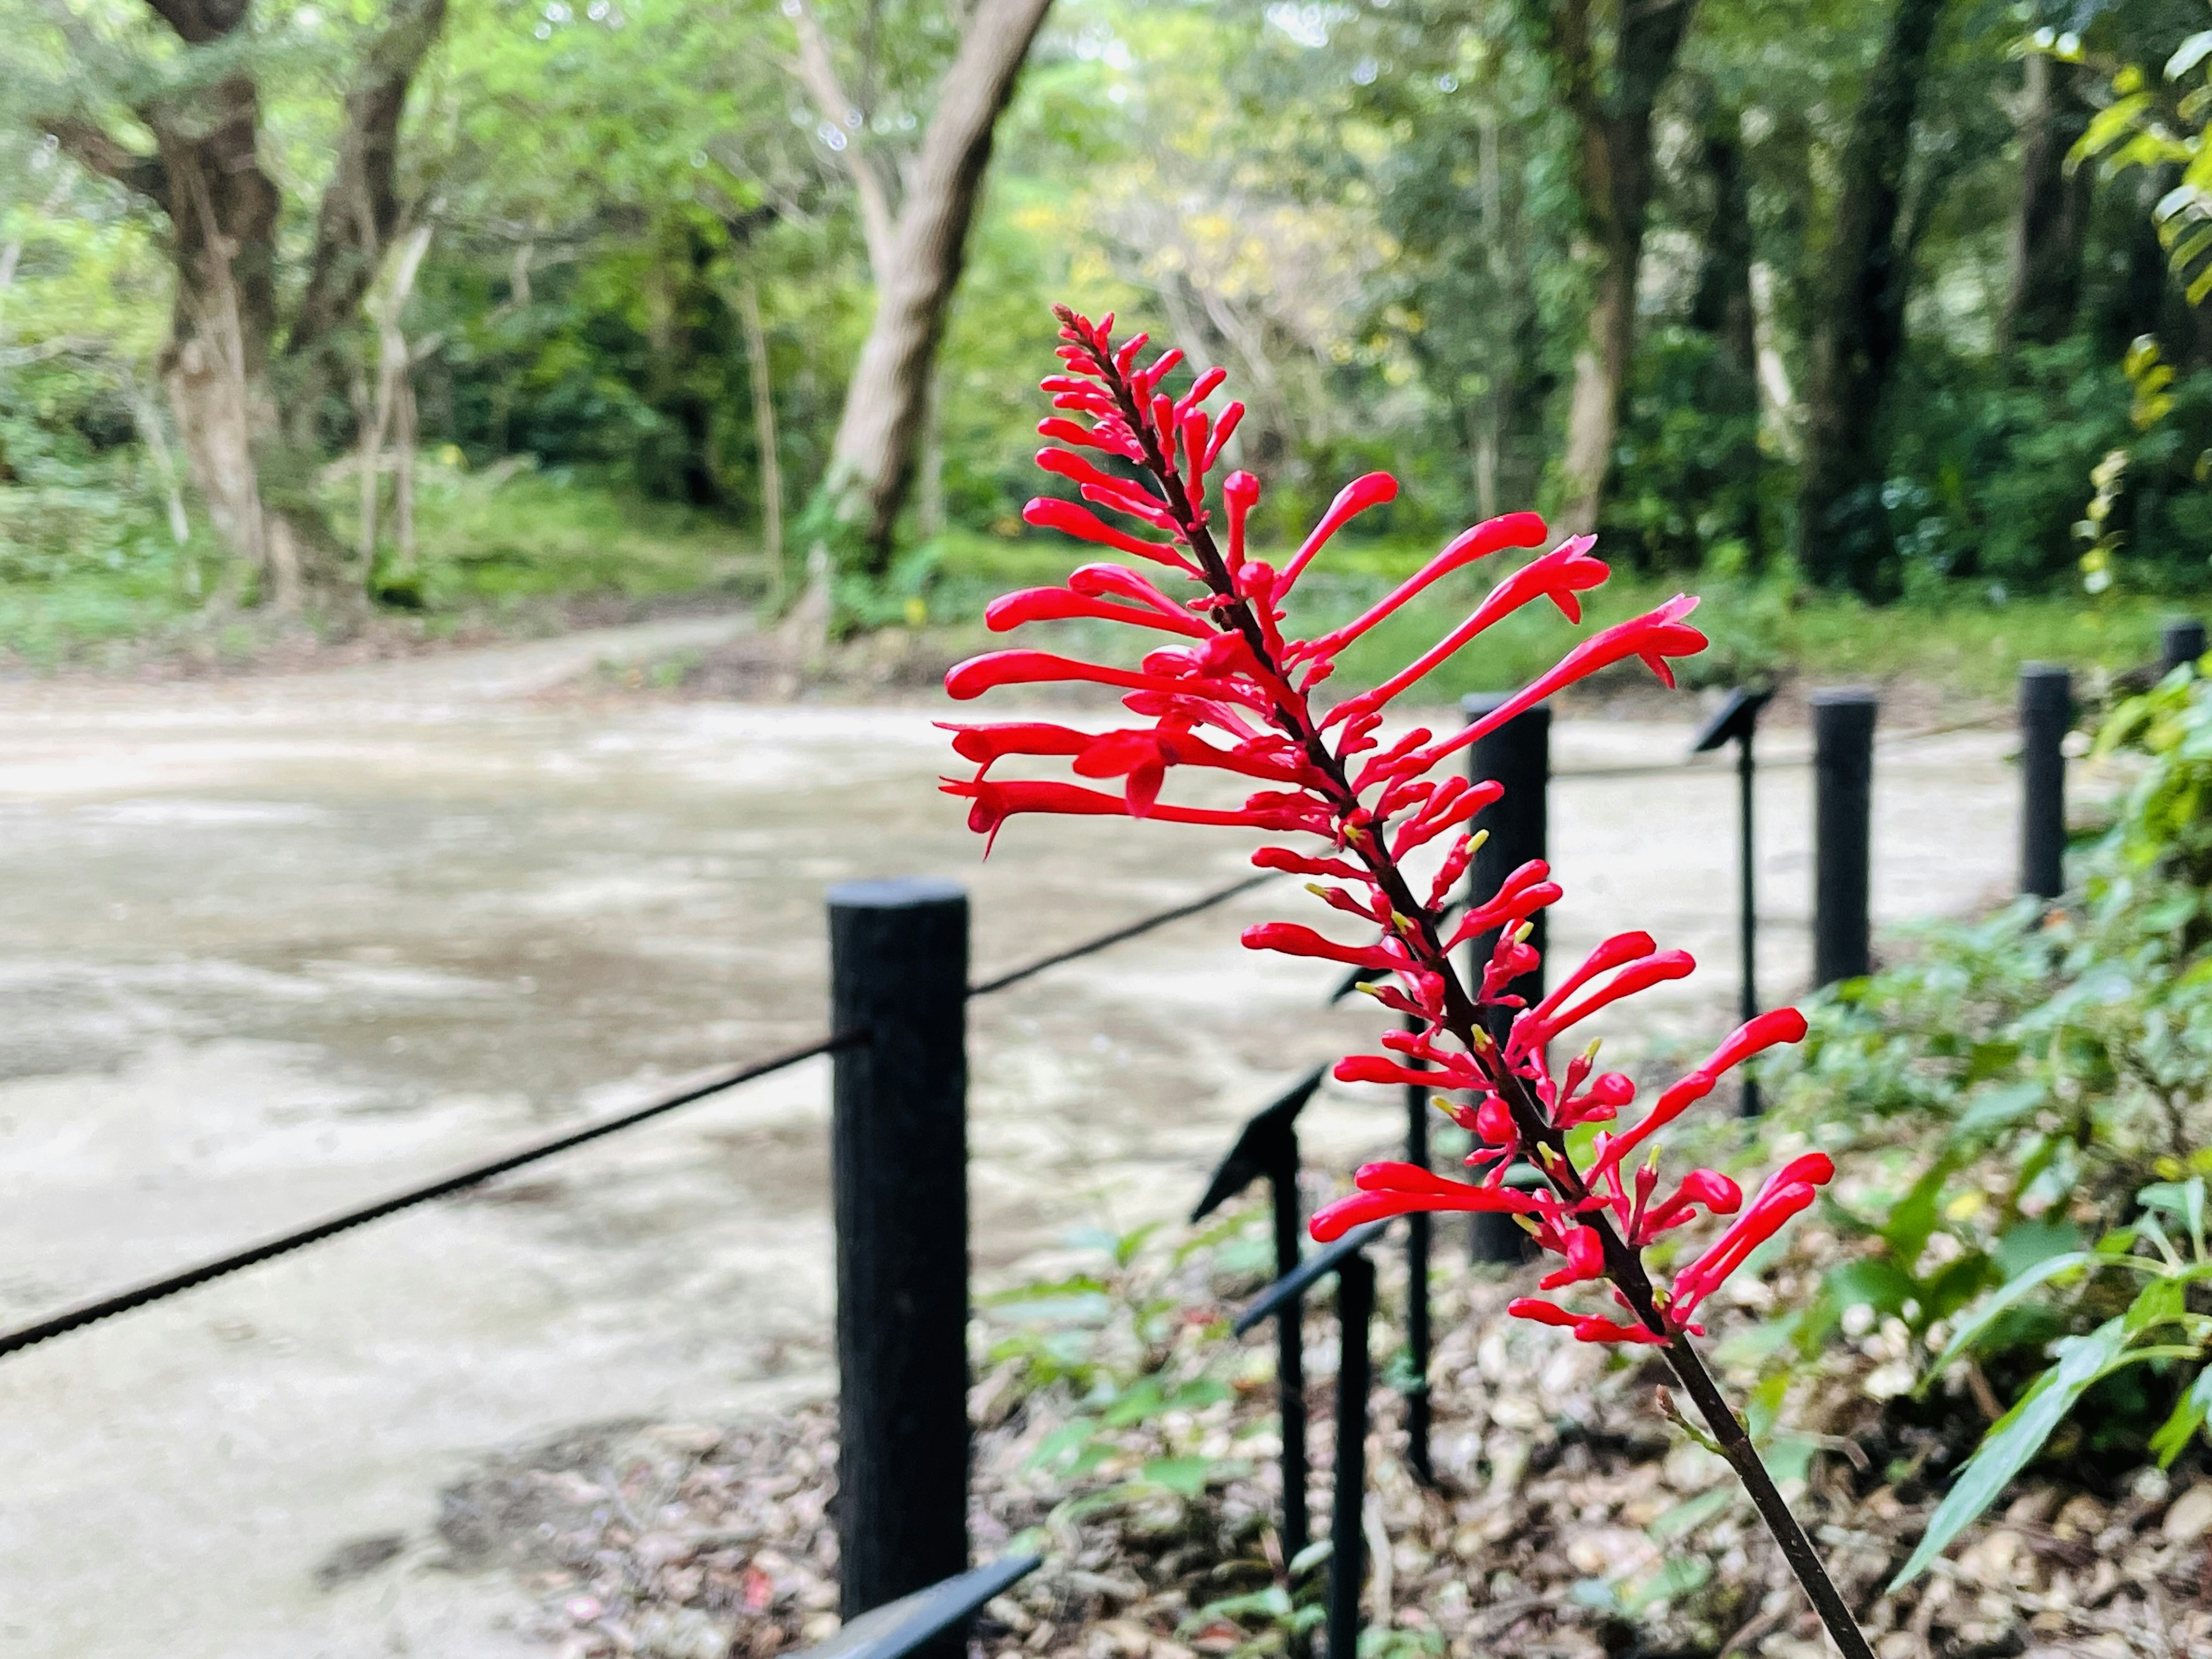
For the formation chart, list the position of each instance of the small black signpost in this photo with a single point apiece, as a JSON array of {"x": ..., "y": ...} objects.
[
  {"x": 1269, "y": 1147},
  {"x": 1738, "y": 719},
  {"x": 1355, "y": 1311}
]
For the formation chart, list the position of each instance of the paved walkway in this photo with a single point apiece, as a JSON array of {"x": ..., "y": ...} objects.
[{"x": 268, "y": 948}]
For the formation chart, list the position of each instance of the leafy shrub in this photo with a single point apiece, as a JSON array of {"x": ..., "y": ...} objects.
[{"x": 2030, "y": 1099}]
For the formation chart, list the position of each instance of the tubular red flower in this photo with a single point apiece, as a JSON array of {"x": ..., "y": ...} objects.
[
  {"x": 1585, "y": 1255},
  {"x": 1290, "y": 940},
  {"x": 977, "y": 675},
  {"x": 1011, "y": 610},
  {"x": 1047, "y": 512},
  {"x": 1788, "y": 1191},
  {"x": 1586, "y": 1327},
  {"x": 1637, "y": 976},
  {"x": 1355, "y": 498},
  {"x": 1560, "y": 576},
  {"x": 987, "y": 744},
  {"x": 1761, "y": 1032},
  {"x": 1654, "y": 636},
  {"x": 1513, "y": 529},
  {"x": 1392, "y": 1189}
]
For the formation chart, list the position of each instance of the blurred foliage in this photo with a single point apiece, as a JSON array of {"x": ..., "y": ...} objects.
[
  {"x": 1365, "y": 211},
  {"x": 2024, "y": 1113}
]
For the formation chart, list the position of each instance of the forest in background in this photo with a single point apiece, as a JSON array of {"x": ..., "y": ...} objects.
[{"x": 423, "y": 303}]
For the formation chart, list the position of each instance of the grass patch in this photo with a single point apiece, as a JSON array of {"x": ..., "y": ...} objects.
[{"x": 506, "y": 536}]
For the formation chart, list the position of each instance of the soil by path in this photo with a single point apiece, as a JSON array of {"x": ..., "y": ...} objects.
[{"x": 272, "y": 945}]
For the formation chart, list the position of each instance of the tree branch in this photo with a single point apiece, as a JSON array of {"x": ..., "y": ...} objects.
[
  {"x": 93, "y": 148},
  {"x": 361, "y": 209},
  {"x": 198, "y": 21},
  {"x": 818, "y": 74}
]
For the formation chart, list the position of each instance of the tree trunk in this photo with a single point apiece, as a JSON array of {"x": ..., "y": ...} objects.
[
  {"x": 1842, "y": 529},
  {"x": 764, "y": 438},
  {"x": 2052, "y": 224},
  {"x": 871, "y": 463},
  {"x": 245, "y": 404},
  {"x": 223, "y": 211},
  {"x": 1615, "y": 177},
  {"x": 1723, "y": 309}
]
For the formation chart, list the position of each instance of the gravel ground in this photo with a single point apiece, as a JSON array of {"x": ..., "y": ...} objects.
[{"x": 1568, "y": 1521}]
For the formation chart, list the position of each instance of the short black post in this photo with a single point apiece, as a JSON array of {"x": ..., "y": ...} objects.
[
  {"x": 898, "y": 975},
  {"x": 1418, "y": 1337},
  {"x": 1518, "y": 755},
  {"x": 2047, "y": 714},
  {"x": 2181, "y": 641},
  {"x": 1747, "y": 799},
  {"x": 1291, "y": 1352},
  {"x": 1842, "y": 832},
  {"x": 1347, "y": 1561}
]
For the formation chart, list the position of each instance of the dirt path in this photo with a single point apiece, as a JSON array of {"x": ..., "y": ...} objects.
[{"x": 268, "y": 947}]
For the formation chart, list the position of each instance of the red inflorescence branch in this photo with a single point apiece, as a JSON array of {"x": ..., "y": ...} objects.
[{"x": 1226, "y": 689}]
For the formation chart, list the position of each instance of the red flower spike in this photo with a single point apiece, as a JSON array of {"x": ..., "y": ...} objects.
[{"x": 1232, "y": 695}]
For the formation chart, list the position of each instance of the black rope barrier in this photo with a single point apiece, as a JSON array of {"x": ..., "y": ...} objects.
[
  {"x": 474, "y": 1175},
  {"x": 1219, "y": 896}
]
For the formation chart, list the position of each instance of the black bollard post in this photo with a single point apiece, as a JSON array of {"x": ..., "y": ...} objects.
[
  {"x": 1519, "y": 756},
  {"x": 1290, "y": 1351},
  {"x": 1417, "y": 1341},
  {"x": 898, "y": 973},
  {"x": 1737, "y": 720},
  {"x": 1348, "y": 1564},
  {"x": 1843, "y": 830},
  {"x": 2047, "y": 714},
  {"x": 2181, "y": 641}
]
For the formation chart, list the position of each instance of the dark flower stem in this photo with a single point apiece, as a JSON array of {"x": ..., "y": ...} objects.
[{"x": 1418, "y": 929}]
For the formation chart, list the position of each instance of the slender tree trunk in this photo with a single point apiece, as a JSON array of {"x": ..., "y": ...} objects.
[
  {"x": 1723, "y": 309},
  {"x": 244, "y": 387},
  {"x": 1614, "y": 176},
  {"x": 871, "y": 463},
  {"x": 2049, "y": 231},
  {"x": 764, "y": 437},
  {"x": 1843, "y": 530}
]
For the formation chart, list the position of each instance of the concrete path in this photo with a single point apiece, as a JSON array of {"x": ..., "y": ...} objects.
[{"x": 269, "y": 948}]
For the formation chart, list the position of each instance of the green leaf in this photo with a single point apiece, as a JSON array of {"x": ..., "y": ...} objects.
[
  {"x": 2111, "y": 122},
  {"x": 2182, "y": 1200},
  {"x": 1184, "y": 1476},
  {"x": 2015, "y": 1439},
  {"x": 2189, "y": 54},
  {"x": 2007, "y": 1103},
  {"x": 1672, "y": 1578},
  {"x": 1914, "y": 1216},
  {"x": 1789, "y": 1457},
  {"x": 1073, "y": 1448},
  {"x": 1142, "y": 1400},
  {"x": 1983, "y": 1317},
  {"x": 2024, "y": 1244},
  {"x": 2190, "y": 1413},
  {"x": 1687, "y": 1517},
  {"x": 1873, "y": 1282}
]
